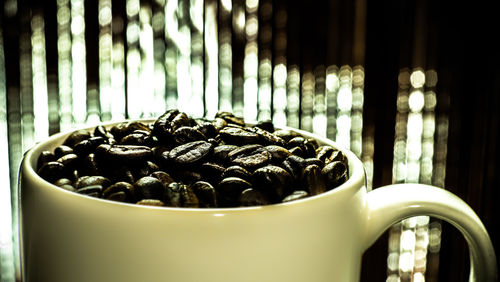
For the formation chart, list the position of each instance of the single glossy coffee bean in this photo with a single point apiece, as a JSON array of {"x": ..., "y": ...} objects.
[
  {"x": 63, "y": 181},
  {"x": 335, "y": 174},
  {"x": 123, "y": 188},
  {"x": 76, "y": 137},
  {"x": 125, "y": 128},
  {"x": 190, "y": 153},
  {"x": 88, "y": 146},
  {"x": 250, "y": 156},
  {"x": 212, "y": 172},
  {"x": 230, "y": 118},
  {"x": 128, "y": 153},
  {"x": 186, "y": 134},
  {"x": 85, "y": 181},
  {"x": 162, "y": 127},
  {"x": 237, "y": 171},
  {"x": 296, "y": 195},
  {"x": 91, "y": 190},
  {"x": 45, "y": 157},
  {"x": 219, "y": 123},
  {"x": 278, "y": 153},
  {"x": 252, "y": 197},
  {"x": 267, "y": 125},
  {"x": 205, "y": 193},
  {"x": 189, "y": 198},
  {"x": 316, "y": 161},
  {"x": 314, "y": 180},
  {"x": 150, "y": 202},
  {"x": 53, "y": 171},
  {"x": 70, "y": 161},
  {"x": 266, "y": 137},
  {"x": 238, "y": 136},
  {"x": 149, "y": 188},
  {"x": 101, "y": 131},
  {"x": 285, "y": 134},
  {"x": 328, "y": 154},
  {"x": 272, "y": 180},
  {"x": 68, "y": 187},
  {"x": 164, "y": 177},
  {"x": 308, "y": 146},
  {"x": 294, "y": 165},
  {"x": 62, "y": 150},
  {"x": 229, "y": 189},
  {"x": 181, "y": 119},
  {"x": 138, "y": 137},
  {"x": 172, "y": 195},
  {"x": 207, "y": 128},
  {"x": 220, "y": 152},
  {"x": 297, "y": 151}
]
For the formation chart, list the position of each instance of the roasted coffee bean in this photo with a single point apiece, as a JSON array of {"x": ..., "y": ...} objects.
[
  {"x": 188, "y": 176},
  {"x": 91, "y": 190},
  {"x": 308, "y": 146},
  {"x": 285, "y": 134},
  {"x": 164, "y": 177},
  {"x": 162, "y": 127},
  {"x": 89, "y": 165},
  {"x": 266, "y": 137},
  {"x": 121, "y": 173},
  {"x": 125, "y": 128},
  {"x": 128, "y": 153},
  {"x": 138, "y": 137},
  {"x": 63, "y": 181},
  {"x": 45, "y": 157},
  {"x": 314, "y": 180},
  {"x": 297, "y": 151},
  {"x": 237, "y": 171},
  {"x": 278, "y": 153},
  {"x": 85, "y": 181},
  {"x": 122, "y": 191},
  {"x": 186, "y": 134},
  {"x": 70, "y": 161},
  {"x": 328, "y": 154},
  {"x": 250, "y": 156},
  {"x": 267, "y": 125},
  {"x": 294, "y": 165},
  {"x": 172, "y": 196},
  {"x": 296, "y": 195},
  {"x": 315, "y": 161},
  {"x": 76, "y": 137},
  {"x": 231, "y": 118},
  {"x": 88, "y": 146},
  {"x": 149, "y": 188},
  {"x": 219, "y": 124},
  {"x": 206, "y": 128},
  {"x": 189, "y": 198},
  {"x": 252, "y": 197},
  {"x": 238, "y": 136},
  {"x": 190, "y": 153},
  {"x": 68, "y": 187},
  {"x": 335, "y": 174},
  {"x": 62, "y": 150},
  {"x": 229, "y": 189},
  {"x": 272, "y": 180},
  {"x": 181, "y": 119},
  {"x": 103, "y": 132},
  {"x": 52, "y": 171},
  {"x": 212, "y": 172},
  {"x": 150, "y": 202},
  {"x": 220, "y": 152},
  {"x": 205, "y": 193}
]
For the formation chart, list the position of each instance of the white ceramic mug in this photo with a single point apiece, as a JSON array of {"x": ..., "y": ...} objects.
[{"x": 66, "y": 236}]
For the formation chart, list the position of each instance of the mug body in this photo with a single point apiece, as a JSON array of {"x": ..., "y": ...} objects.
[{"x": 66, "y": 236}]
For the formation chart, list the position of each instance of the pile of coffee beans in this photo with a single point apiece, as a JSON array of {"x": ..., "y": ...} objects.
[{"x": 179, "y": 161}]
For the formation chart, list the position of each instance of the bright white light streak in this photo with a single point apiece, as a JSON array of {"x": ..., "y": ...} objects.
[
  {"x": 293, "y": 97},
  {"x": 150, "y": 105},
  {"x": 118, "y": 82},
  {"x": 105, "y": 59},
  {"x": 211, "y": 60},
  {"x": 135, "y": 100},
  {"x": 184, "y": 86},
  {"x": 319, "y": 107},
  {"x": 280, "y": 96},
  {"x": 250, "y": 86},
  {"x": 344, "y": 102},
  {"x": 64, "y": 64},
  {"x": 78, "y": 56},
  {"x": 39, "y": 68}
]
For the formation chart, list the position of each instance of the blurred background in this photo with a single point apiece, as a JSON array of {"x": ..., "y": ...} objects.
[{"x": 411, "y": 86}]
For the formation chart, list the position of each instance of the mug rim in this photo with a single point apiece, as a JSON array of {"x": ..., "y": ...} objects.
[{"x": 355, "y": 181}]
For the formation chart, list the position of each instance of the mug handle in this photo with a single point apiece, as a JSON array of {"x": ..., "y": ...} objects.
[{"x": 390, "y": 204}]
